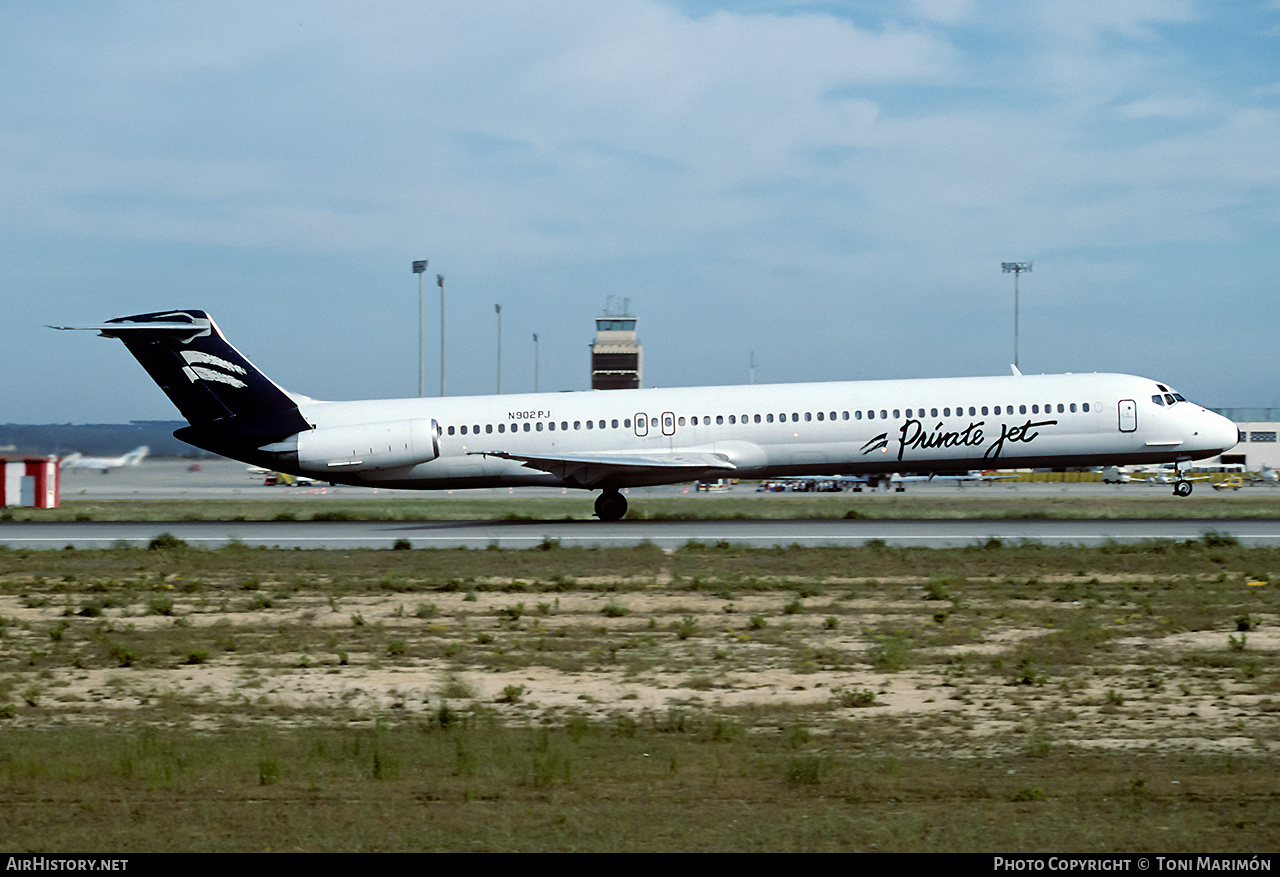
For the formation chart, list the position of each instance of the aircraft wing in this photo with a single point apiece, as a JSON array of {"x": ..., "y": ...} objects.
[{"x": 593, "y": 470}]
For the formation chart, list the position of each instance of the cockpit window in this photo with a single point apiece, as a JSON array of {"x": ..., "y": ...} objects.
[
  {"x": 1168, "y": 397},
  {"x": 1158, "y": 399}
]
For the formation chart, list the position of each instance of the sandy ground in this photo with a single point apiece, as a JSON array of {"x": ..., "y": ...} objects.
[{"x": 308, "y": 658}]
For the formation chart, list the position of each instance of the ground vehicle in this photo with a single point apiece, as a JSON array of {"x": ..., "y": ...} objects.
[{"x": 1233, "y": 482}]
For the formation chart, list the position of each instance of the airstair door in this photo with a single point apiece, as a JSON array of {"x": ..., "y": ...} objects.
[
  {"x": 1128, "y": 415},
  {"x": 642, "y": 424},
  {"x": 668, "y": 423}
]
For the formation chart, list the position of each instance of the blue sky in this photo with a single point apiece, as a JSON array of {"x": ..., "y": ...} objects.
[{"x": 830, "y": 185}]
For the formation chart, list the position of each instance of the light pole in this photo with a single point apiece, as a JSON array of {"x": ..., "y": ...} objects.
[
  {"x": 440, "y": 283},
  {"x": 498, "y": 310},
  {"x": 418, "y": 268},
  {"x": 535, "y": 362},
  {"x": 1016, "y": 269}
]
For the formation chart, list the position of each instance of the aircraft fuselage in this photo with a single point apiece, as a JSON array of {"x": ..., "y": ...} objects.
[{"x": 934, "y": 425}]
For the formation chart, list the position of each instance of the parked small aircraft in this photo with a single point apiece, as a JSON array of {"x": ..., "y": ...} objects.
[{"x": 105, "y": 464}]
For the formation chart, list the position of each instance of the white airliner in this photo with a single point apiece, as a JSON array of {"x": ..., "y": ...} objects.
[
  {"x": 105, "y": 464},
  {"x": 611, "y": 440}
]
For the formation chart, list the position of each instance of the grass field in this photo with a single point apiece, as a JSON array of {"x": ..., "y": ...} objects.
[{"x": 996, "y": 697}]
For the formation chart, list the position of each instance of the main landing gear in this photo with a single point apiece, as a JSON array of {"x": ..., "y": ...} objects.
[{"x": 611, "y": 505}]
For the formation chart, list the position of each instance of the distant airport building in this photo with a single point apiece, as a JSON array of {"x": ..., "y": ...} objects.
[
  {"x": 29, "y": 481},
  {"x": 1258, "y": 446},
  {"x": 616, "y": 356}
]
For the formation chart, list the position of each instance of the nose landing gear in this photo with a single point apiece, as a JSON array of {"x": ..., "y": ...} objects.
[
  {"x": 1182, "y": 488},
  {"x": 611, "y": 505}
]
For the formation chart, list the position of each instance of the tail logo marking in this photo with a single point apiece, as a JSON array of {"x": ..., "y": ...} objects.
[{"x": 204, "y": 367}]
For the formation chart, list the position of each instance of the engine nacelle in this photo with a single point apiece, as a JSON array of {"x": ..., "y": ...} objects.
[{"x": 367, "y": 446}]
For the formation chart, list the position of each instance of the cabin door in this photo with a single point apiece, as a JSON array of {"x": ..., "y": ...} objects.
[{"x": 1128, "y": 415}]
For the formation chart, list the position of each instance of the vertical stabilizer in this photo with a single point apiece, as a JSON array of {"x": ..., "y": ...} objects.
[{"x": 227, "y": 401}]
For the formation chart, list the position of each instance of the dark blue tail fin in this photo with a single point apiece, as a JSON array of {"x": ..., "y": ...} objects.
[{"x": 230, "y": 405}]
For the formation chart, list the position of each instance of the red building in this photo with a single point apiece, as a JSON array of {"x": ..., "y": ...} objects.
[{"x": 29, "y": 481}]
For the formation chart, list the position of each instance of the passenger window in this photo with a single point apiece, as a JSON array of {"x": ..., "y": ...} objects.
[
  {"x": 591, "y": 424},
  {"x": 462, "y": 430},
  {"x": 539, "y": 426},
  {"x": 719, "y": 419},
  {"x": 1085, "y": 407},
  {"x": 451, "y": 430},
  {"x": 488, "y": 429},
  {"x": 526, "y": 426},
  {"x": 871, "y": 415},
  {"x": 1022, "y": 409},
  {"x": 615, "y": 424},
  {"x": 680, "y": 421},
  {"x": 884, "y": 415},
  {"x": 1073, "y": 408},
  {"x": 757, "y": 418},
  {"x": 769, "y": 418},
  {"x": 1035, "y": 409},
  {"x": 820, "y": 415},
  {"x": 808, "y": 417}
]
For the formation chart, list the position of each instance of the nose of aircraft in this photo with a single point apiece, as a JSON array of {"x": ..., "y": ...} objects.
[{"x": 1219, "y": 433}]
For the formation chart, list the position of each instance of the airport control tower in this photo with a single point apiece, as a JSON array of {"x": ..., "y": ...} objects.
[{"x": 616, "y": 356}]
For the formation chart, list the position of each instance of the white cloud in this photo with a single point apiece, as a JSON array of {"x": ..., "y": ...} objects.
[{"x": 785, "y": 159}]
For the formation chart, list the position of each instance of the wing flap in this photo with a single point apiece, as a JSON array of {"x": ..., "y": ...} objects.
[{"x": 599, "y": 470}]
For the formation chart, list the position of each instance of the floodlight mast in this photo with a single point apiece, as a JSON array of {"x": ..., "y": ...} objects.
[
  {"x": 498, "y": 310},
  {"x": 1016, "y": 269},
  {"x": 419, "y": 266},
  {"x": 440, "y": 283}
]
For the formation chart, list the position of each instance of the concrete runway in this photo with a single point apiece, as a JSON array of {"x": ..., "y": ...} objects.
[
  {"x": 526, "y": 534},
  {"x": 225, "y": 478},
  {"x": 168, "y": 478}
]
